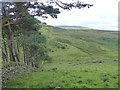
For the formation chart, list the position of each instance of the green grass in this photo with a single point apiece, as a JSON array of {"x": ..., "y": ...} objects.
[{"x": 80, "y": 59}]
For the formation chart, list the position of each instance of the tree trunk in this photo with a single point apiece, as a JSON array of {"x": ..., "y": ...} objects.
[
  {"x": 10, "y": 39},
  {"x": 18, "y": 51},
  {"x": 6, "y": 53},
  {"x": 4, "y": 56},
  {"x": 11, "y": 45},
  {"x": 25, "y": 52},
  {"x": 16, "y": 48},
  {"x": 32, "y": 64},
  {"x": 4, "y": 49}
]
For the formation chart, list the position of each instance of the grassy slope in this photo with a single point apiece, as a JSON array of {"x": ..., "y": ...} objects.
[{"x": 80, "y": 59}]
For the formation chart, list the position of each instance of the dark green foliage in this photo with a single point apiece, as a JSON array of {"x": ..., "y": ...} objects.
[
  {"x": 29, "y": 23},
  {"x": 36, "y": 38}
]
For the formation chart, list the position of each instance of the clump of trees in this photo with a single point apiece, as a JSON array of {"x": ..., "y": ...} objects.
[
  {"x": 20, "y": 29},
  {"x": 20, "y": 35}
]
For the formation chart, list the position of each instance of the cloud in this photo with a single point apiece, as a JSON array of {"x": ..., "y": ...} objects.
[{"x": 103, "y": 15}]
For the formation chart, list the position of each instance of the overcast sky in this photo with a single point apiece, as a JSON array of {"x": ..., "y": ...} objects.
[{"x": 103, "y": 15}]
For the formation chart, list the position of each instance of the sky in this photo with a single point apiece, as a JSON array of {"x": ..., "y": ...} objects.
[{"x": 103, "y": 15}]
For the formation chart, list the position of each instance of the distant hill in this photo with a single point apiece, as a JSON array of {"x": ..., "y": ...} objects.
[
  {"x": 93, "y": 42},
  {"x": 73, "y": 27}
]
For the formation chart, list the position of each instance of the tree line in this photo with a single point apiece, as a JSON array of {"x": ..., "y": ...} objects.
[{"x": 20, "y": 29}]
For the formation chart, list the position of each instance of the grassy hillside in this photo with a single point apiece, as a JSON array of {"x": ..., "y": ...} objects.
[{"x": 80, "y": 59}]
